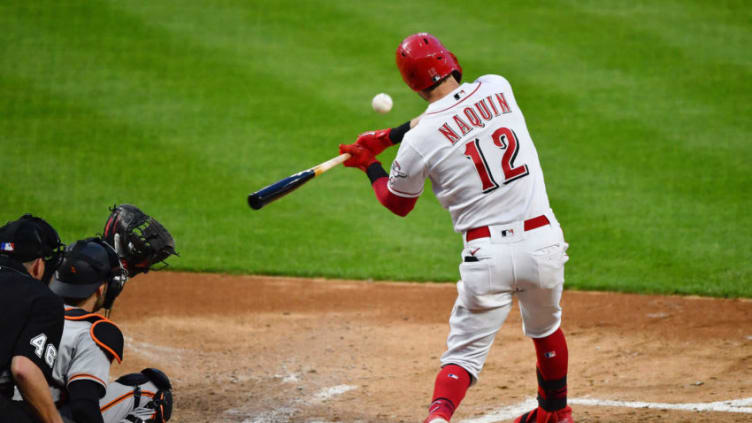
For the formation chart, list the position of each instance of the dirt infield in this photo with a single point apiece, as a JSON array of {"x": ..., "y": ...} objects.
[{"x": 260, "y": 349}]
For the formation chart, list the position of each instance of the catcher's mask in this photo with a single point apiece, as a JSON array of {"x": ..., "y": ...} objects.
[
  {"x": 423, "y": 61},
  {"x": 29, "y": 238},
  {"x": 86, "y": 265}
]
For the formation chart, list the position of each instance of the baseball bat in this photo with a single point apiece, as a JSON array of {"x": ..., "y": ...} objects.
[{"x": 287, "y": 185}]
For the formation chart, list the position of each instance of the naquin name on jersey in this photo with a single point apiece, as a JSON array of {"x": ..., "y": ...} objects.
[{"x": 485, "y": 110}]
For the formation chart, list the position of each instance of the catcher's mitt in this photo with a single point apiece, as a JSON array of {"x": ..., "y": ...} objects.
[{"x": 138, "y": 238}]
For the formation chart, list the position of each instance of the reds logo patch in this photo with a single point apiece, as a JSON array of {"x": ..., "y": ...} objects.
[
  {"x": 397, "y": 170},
  {"x": 396, "y": 173}
]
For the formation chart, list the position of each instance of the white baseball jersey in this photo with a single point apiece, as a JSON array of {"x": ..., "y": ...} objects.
[
  {"x": 79, "y": 357},
  {"x": 474, "y": 146}
]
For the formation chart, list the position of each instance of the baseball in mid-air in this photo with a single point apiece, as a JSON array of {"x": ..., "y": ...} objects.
[{"x": 382, "y": 103}]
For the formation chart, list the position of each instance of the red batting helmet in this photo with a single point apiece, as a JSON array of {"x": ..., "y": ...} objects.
[{"x": 424, "y": 61}]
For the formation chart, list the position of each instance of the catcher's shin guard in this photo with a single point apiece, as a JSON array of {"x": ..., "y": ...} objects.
[{"x": 160, "y": 403}]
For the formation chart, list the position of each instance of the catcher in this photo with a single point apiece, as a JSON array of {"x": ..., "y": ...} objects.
[{"x": 90, "y": 277}]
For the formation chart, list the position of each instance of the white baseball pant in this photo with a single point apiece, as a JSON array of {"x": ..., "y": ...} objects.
[
  {"x": 119, "y": 402},
  {"x": 511, "y": 262}
]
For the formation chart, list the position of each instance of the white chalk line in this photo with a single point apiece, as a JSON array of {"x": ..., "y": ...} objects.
[
  {"x": 731, "y": 406},
  {"x": 505, "y": 413},
  {"x": 743, "y": 405},
  {"x": 332, "y": 392},
  {"x": 281, "y": 414},
  {"x": 153, "y": 351},
  {"x": 285, "y": 413},
  {"x": 288, "y": 376}
]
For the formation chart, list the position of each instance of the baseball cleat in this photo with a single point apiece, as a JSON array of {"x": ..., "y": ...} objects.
[
  {"x": 436, "y": 419},
  {"x": 540, "y": 415}
]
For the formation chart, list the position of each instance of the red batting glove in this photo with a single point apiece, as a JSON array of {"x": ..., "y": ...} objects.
[
  {"x": 375, "y": 141},
  {"x": 360, "y": 156}
]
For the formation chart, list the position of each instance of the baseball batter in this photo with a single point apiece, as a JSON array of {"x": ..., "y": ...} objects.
[{"x": 472, "y": 142}]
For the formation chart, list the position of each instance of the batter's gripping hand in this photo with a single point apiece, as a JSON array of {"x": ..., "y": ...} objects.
[
  {"x": 360, "y": 156},
  {"x": 138, "y": 238},
  {"x": 375, "y": 141}
]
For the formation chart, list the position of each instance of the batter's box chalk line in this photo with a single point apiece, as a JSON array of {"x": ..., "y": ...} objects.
[
  {"x": 328, "y": 393},
  {"x": 154, "y": 351},
  {"x": 284, "y": 413},
  {"x": 510, "y": 412}
]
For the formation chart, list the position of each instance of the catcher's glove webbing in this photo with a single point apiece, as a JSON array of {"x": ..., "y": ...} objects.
[{"x": 138, "y": 238}]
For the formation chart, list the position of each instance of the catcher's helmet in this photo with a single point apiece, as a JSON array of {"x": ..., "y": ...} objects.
[
  {"x": 424, "y": 61},
  {"x": 86, "y": 265},
  {"x": 29, "y": 238}
]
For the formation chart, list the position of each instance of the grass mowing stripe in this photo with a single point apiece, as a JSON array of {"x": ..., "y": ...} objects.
[
  {"x": 639, "y": 161},
  {"x": 201, "y": 228},
  {"x": 236, "y": 95}
]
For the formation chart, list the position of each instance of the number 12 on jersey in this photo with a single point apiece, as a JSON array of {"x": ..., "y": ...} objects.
[{"x": 505, "y": 139}]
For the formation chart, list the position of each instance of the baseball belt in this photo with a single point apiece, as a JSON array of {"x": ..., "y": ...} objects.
[{"x": 485, "y": 232}]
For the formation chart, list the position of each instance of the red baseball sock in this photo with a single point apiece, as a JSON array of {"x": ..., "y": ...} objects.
[
  {"x": 553, "y": 358},
  {"x": 449, "y": 390},
  {"x": 553, "y": 355}
]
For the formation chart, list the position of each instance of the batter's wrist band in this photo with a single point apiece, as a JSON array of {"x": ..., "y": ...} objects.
[
  {"x": 375, "y": 171},
  {"x": 396, "y": 134}
]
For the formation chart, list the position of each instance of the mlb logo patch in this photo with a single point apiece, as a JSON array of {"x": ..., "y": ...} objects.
[
  {"x": 8, "y": 247},
  {"x": 550, "y": 354}
]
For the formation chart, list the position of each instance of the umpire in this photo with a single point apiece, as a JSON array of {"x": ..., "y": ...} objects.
[{"x": 31, "y": 319}]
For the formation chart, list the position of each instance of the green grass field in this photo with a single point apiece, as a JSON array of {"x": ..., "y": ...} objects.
[{"x": 641, "y": 112}]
